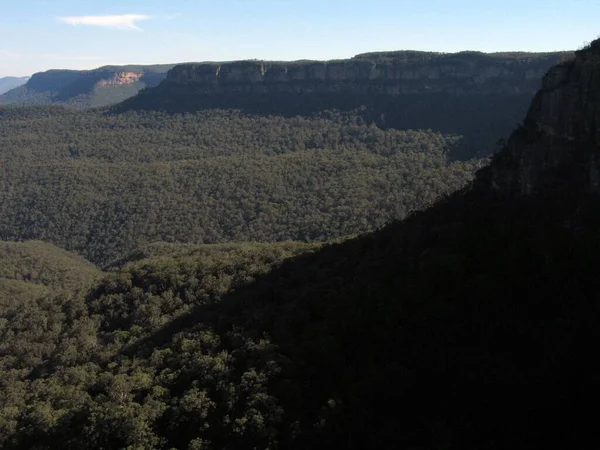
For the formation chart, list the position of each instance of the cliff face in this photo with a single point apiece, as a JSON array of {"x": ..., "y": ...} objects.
[
  {"x": 388, "y": 74},
  {"x": 558, "y": 146},
  {"x": 86, "y": 88},
  {"x": 121, "y": 78},
  {"x": 481, "y": 97}
]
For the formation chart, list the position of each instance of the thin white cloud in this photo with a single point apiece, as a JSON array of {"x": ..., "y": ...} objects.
[
  {"x": 121, "y": 22},
  {"x": 173, "y": 16}
]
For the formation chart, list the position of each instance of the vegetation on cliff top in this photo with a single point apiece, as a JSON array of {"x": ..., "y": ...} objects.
[
  {"x": 84, "y": 88},
  {"x": 404, "y": 56}
]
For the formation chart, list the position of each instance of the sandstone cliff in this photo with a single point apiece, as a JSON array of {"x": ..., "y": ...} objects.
[
  {"x": 377, "y": 73},
  {"x": 558, "y": 146},
  {"x": 481, "y": 97},
  {"x": 85, "y": 88}
]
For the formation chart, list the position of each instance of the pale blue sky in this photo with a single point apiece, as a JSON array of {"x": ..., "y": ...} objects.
[{"x": 38, "y": 35}]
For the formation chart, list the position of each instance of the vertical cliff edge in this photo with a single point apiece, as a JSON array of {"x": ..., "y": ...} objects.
[
  {"x": 558, "y": 146},
  {"x": 85, "y": 88},
  {"x": 481, "y": 97}
]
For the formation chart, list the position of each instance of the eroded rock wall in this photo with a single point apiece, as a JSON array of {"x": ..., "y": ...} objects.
[
  {"x": 399, "y": 75},
  {"x": 558, "y": 146}
]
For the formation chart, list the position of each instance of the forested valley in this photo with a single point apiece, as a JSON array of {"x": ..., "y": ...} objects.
[
  {"x": 220, "y": 279},
  {"x": 103, "y": 184},
  {"x": 172, "y": 208},
  {"x": 414, "y": 336}
]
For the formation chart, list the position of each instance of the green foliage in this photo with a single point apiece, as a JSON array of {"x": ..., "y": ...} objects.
[
  {"x": 44, "y": 264},
  {"x": 471, "y": 319},
  {"x": 103, "y": 184},
  {"x": 416, "y": 57},
  {"x": 478, "y": 96},
  {"x": 71, "y": 381},
  {"x": 472, "y": 324}
]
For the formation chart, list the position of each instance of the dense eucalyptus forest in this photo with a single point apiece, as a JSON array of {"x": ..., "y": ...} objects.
[
  {"x": 247, "y": 282},
  {"x": 103, "y": 184},
  {"x": 414, "y": 336},
  {"x": 163, "y": 204}
]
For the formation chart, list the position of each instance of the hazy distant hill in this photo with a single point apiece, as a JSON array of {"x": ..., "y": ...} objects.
[
  {"x": 85, "y": 88},
  {"x": 8, "y": 83}
]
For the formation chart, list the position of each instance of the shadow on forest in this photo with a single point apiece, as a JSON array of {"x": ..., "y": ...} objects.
[
  {"x": 481, "y": 119},
  {"x": 472, "y": 318}
]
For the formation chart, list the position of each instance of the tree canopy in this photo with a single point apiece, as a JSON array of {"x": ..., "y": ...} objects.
[{"x": 102, "y": 184}]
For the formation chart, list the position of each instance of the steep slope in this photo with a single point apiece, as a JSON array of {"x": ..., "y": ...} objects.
[
  {"x": 8, "y": 83},
  {"x": 471, "y": 325},
  {"x": 479, "y": 96},
  {"x": 561, "y": 134},
  {"x": 85, "y": 88}
]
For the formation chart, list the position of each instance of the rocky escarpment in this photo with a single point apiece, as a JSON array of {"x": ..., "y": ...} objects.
[
  {"x": 481, "y": 97},
  {"x": 85, "y": 88},
  {"x": 378, "y": 73},
  {"x": 558, "y": 146},
  {"x": 121, "y": 78}
]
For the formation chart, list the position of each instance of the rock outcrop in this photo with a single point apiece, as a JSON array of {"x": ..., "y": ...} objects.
[
  {"x": 386, "y": 73},
  {"x": 558, "y": 146},
  {"x": 85, "y": 88},
  {"x": 121, "y": 78},
  {"x": 481, "y": 97}
]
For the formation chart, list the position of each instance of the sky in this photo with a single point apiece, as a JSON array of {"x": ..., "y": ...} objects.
[{"x": 37, "y": 35}]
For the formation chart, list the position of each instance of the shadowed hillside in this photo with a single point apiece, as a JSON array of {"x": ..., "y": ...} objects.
[
  {"x": 470, "y": 325},
  {"x": 479, "y": 96}
]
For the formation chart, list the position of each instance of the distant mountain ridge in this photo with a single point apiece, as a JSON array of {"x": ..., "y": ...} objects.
[
  {"x": 400, "y": 72},
  {"x": 86, "y": 88},
  {"x": 8, "y": 83},
  {"x": 479, "y": 96}
]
